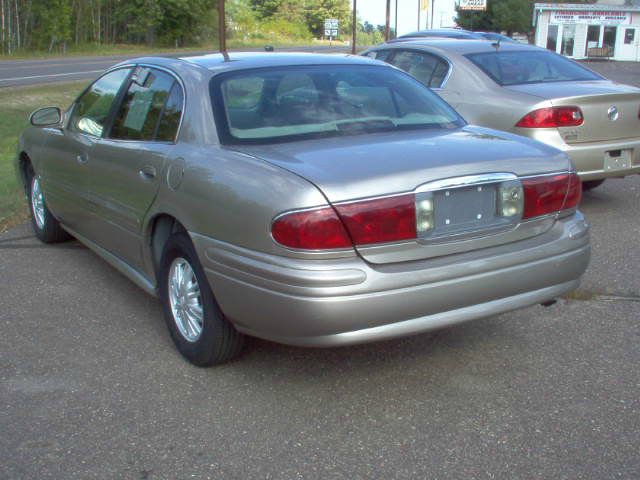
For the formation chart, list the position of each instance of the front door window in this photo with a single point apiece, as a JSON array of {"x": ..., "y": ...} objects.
[{"x": 92, "y": 109}]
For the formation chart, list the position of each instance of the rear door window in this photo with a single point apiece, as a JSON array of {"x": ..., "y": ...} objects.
[
  {"x": 143, "y": 114},
  {"x": 424, "y": 67}
]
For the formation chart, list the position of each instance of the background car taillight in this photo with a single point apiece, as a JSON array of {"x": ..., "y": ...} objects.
[
  {"x": 550, "y": 194},
  {"x": 552, "y": 117}
]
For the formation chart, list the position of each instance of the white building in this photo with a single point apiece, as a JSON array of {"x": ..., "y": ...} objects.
[{"x": 589, "y": 30}]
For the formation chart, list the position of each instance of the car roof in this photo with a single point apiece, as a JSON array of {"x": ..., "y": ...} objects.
[
  {"x": 460, "y": 46},
  {"x": 216, "y": 62},
  {"x": 245, "y": 60},
  {"x": 439, "y": 33}
]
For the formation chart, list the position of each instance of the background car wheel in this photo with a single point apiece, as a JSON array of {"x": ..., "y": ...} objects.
[
  {"x": 45, "y": 225},
  {"x": 591, "y": 184},
  {"x": 196, "y": 323}
]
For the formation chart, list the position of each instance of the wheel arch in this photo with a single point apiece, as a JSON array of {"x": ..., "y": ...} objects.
[
  {"x": 24, "y": 163},
  {"x": 159, "y": 228}
]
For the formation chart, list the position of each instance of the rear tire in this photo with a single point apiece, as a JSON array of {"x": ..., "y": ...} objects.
[
  {"x": 197, "y": 326},
  {"x": 591, "y": 184},
  {"x": 45, "y": 225}
]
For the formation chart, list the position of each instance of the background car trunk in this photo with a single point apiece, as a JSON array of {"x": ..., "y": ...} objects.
[
  {"x": 364, "y": 166},
  {"x": 594, "y": 99},
  {"x": 597, "y": 125}
]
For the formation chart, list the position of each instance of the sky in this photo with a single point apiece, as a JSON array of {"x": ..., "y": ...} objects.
[{"x": 374, "y": 12}]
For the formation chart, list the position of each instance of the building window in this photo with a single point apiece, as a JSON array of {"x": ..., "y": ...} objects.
[{"x": 629, "y": 35}]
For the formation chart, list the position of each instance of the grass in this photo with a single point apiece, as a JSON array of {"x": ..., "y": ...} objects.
[{"x": 15, "y": 106}]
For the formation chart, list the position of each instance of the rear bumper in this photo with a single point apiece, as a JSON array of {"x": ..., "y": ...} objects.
[
  {"x": 589, "y": 157},
  {"x": 347, "y": 301}
]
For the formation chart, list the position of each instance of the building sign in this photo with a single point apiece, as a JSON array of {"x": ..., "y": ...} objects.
[
  {"x": 593, "y": 17},
  {"x": 331, "y": 27},
  {"x": 473, "y": 5}
]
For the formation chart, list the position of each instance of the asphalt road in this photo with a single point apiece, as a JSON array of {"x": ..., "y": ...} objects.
[
  {"x": 64, "y": 69},
  {"x": 91, "y": 386}
]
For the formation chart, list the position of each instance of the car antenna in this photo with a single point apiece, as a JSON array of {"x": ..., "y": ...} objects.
[{"x": 496, "y": 45}]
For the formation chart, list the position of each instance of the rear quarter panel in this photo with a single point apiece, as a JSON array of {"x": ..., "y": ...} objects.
[{"x": 231, "y": 197}]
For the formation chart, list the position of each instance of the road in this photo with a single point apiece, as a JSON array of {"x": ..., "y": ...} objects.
[
  {"x": 91, "y": 386},
  {"x": 64, "y": 69}
]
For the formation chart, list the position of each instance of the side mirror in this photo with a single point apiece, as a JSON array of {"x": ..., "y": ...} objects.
[{"x": 46, "y": 117}]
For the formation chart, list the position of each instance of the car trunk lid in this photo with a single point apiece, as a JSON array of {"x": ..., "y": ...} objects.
[
  {"x": 359, "y": 167},
  {"x": 610, "y": 110}
]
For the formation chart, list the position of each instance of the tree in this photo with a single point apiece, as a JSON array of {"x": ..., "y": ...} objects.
[
  {"x": 320, "y": 10},
  {"x": 266, "y": 8},
  {"x": 52, "y": 23}
]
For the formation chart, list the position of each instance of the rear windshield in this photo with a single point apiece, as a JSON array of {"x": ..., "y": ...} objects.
[
  {"x": 290, "y": 103},
  {"x": 520, "y": 67}
]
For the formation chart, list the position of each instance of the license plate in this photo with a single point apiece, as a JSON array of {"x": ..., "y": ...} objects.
[
  {"x": 617, "y": 160},
  {"x": 465, "y": 209}
]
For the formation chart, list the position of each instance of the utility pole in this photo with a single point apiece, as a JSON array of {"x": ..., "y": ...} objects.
[
  {"x": 388, "y": 22},
  {"x": 396, "y": 22},
  {"x": 432, "y": 13},
  {"x": 354, "y": 21},
  {"x": 419, "y": 10},
  {"x": 222, "y": 29}
]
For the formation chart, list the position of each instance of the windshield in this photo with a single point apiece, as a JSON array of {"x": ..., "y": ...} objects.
[
  {"x": 519, "y": 67},
  {"x": 291, "y": 103}
]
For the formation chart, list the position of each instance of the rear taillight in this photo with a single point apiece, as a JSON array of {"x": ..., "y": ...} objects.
[
  {"x": 402, "y": 217},
  {"x": 550, "y": 194},
  {"x": 552, "y": 117},
  {"x": 574, "y": 195},
  {"x": 381, "y": 220},
  {"x": 315, "y": 229}
]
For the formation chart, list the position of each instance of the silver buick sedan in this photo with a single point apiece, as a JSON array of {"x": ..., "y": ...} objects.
[
  {"x": 532, "y": 92},
  {"x": 305, "y": 199}
]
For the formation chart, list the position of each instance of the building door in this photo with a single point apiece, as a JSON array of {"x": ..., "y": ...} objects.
[
  {"x": 568, "y": 39},
  {"x": 593, "y": 38},
  {"x": 629, "y": 48},
  {"x": 552, "y": 38},
  {"x": 609, "y": 39}
]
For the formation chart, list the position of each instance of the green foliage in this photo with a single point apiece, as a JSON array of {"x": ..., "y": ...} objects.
[
  {"x": 72, "y": 25},
  {"x": 52, "y": 20},
  {"x": 319, "y": 10},
  {"x": 265, "y": 8}
]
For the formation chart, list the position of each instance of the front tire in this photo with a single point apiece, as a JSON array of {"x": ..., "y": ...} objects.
[
  {"x": 197, "y": 325},
  {"x": 45, "y": 225}
]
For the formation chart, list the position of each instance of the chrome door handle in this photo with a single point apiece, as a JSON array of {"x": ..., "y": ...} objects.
[
  {"x": 82, "y": 158},
  {"x": 147, "y": 172}
]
